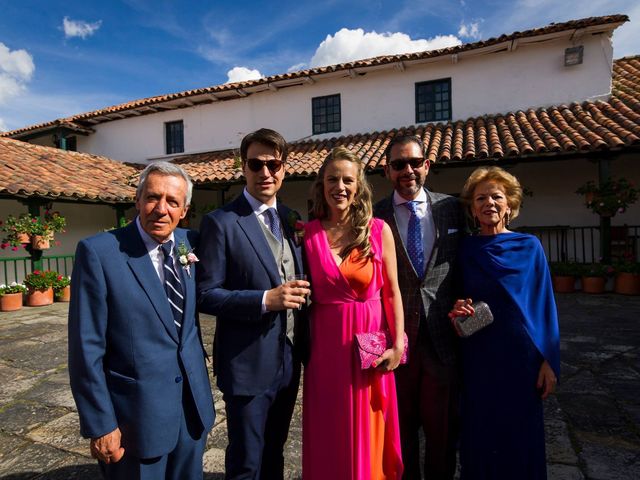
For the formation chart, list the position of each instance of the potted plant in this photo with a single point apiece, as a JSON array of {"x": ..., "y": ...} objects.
[
  {"x": 17, "y": 230},
  {"x": 40, "y": 287},
  {"x": 594, "y": 277},
  {"x": 11, "y": 297},
  {"x": 62, "y": 288},
  {"x": 563, "y": 276},
  {"x": 610, "y": 197},
  {"x": 55, "y": 222},
  {"x": 41, "y": 234},
  {"x": 627, "y": 280}
]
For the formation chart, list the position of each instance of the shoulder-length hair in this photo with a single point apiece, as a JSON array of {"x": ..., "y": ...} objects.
[
  {"x": 511, "y": 185},
  {"x": 360, "y": 211}
]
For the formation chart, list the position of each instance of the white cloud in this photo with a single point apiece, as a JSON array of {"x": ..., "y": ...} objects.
[
  {"x": 625, "y": 38},
  {"x": 16, "y": 69},
  {"x": 347, "y": 45},
  {"x": 470, "y": 30},
  {"x": 297, "y": 67},
  {"x": 3, "y": 126},
  {"x": 242, "y": 74},
  {"x": 79, "y": 28}
]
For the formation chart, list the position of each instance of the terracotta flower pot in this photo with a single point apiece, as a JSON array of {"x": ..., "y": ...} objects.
[
  {"x": 40, "y": 298},
  {"x": 23, "y": 238},
  {"x": 593, "y": 284},
  {"x": 40, "y": 242},
  {"x": 563, "y": 283},
  {"x": 627, "y": 283},
  {"x": 64, "y": 294},
  {"x": 10, "y": 302}
]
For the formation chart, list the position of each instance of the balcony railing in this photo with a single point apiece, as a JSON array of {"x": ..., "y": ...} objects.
[
  {"x": 15, "y": 269},
  {"x": 582, "y": 244}
]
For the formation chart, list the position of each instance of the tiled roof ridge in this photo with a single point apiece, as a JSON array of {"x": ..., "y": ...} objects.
[{"x": 378, "y": 60}]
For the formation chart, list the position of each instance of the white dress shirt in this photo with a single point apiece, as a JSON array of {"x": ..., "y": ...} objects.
[
  {"x": 155, "y": 252},
  {"x": 423, "y": 211}
]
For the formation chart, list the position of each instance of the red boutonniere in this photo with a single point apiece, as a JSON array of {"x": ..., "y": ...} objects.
[{"x": 297, "y": 225}]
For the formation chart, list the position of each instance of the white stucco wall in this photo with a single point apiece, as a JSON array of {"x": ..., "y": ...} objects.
[{"x": 532, "y": 75}]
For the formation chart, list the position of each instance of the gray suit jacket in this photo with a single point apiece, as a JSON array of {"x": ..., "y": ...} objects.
[{"x": 431, "y": 297}]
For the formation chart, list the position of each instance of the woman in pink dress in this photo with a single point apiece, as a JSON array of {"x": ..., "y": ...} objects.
[{"x": 350, "y": 417}]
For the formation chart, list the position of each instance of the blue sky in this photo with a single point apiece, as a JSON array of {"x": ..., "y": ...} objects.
[{"x": 59, "y": 58}]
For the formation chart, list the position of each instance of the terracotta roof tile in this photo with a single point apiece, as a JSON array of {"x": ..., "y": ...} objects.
[
  {"x": 230, "y": 90},
  {"x": 32, "y": 170},
  {"x": 27, "y": 169},
  {"x": 585, "y": 127}
]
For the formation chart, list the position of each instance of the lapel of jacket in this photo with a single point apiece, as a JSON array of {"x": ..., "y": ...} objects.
[
  {"x": 142, "y": 267},
  {"x": 248, "y": 222},
  {"x": 289, "y": 234},
  {"x": 438, "y": 213},
  {"x": 188, "y": 280}
]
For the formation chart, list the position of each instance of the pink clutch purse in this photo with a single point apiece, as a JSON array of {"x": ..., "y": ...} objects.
[{"x": 371, "y": 345}]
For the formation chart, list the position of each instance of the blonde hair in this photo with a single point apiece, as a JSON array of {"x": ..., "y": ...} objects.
[
  {"x": 511, "y": 185},
  {"x": 360, "y": 211}
]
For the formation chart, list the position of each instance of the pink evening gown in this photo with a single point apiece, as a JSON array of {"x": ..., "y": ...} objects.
[{"x": 350, "y": 417}]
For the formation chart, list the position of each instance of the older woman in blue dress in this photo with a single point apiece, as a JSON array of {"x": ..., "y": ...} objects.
[{"x": 512, "y": 364}]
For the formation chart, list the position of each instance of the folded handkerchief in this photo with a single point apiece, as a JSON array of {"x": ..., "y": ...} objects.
[{"x": 452, "y": 230}]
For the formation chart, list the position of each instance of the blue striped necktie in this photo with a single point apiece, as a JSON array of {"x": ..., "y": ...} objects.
[
  {"x": 274, "y": 223},
  {"x": 172, "y": 285},
  {"x": 415, "y": 246}
]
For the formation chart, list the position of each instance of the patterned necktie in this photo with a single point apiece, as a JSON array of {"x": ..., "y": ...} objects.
[
  {"x": 415, "y": 247},
  {"x": 274, "y": 223},
  {"x": 172, "y": 285}
]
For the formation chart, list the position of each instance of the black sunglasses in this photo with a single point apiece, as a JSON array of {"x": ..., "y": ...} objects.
[
  {"x": 399, "y": 165},
  {"x": 256, "y": 165}
]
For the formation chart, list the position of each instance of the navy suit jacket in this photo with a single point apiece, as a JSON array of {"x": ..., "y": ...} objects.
[
  {"x": 126, "y": 363},
  {"x": 236, "y": 267}
]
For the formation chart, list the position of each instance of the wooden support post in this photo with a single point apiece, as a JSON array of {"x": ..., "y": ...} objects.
[
  {"x": 604, "y": 175},
  {"x": 121, "y": 220},
  {"x": 36, "y": 255}
]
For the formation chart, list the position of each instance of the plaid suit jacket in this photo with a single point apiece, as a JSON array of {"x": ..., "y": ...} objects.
[{"x": 435, "y": 293}]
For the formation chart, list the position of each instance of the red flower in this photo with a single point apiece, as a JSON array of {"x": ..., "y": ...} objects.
[
  {"x": 15, "y": 249},
  {"x": 4, "y": 245},
  {"x": 59, "y": 277},
  {"x": 36, "y": 272}
]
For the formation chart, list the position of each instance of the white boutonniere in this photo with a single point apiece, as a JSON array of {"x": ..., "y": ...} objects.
[{"x": 186, "y": 257}]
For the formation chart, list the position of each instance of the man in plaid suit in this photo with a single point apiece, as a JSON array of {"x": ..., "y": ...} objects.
[{"x": 426, "y": 227}]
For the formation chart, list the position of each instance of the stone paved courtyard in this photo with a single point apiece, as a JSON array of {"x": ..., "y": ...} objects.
[{"x": 593, "y": 422}]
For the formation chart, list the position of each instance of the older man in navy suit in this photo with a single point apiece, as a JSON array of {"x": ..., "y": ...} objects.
[
  {"x": 248, "y": 261},
  {"x": 136, "y": 359}
]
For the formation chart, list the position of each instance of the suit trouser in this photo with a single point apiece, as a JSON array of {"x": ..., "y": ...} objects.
[
  {"x": 184, "y": 462},
  {"x": 428, "y": 397},
  {"x": 258, "y": 425}
]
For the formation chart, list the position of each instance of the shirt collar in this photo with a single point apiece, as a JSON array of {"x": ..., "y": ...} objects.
[
  {"x": 256, "y": 205},
  {"x": 149, "y": 242},
  {"x": 398, "y": 200}
]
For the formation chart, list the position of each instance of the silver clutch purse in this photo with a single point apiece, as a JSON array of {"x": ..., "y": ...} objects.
[{"x": 467, "y": 326}]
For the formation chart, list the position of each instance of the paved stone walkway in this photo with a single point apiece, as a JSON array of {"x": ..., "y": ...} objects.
[{"x": 593, "y": 422}]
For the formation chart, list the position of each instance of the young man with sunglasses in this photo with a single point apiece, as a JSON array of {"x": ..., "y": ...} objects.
[
  {"x": 246, "y": 258},
  {"x": 426, "y": 227}
]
